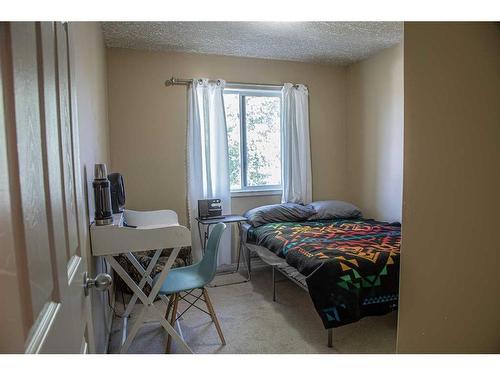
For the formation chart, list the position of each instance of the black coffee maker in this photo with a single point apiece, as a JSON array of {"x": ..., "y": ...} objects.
[{"x": 117, "y": 192}]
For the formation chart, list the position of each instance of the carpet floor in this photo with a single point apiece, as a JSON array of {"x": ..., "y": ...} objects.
[{"x": 253, "y": 323}]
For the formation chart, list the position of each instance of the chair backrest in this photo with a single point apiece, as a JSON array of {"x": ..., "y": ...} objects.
[{"x": 208, "y": 264}]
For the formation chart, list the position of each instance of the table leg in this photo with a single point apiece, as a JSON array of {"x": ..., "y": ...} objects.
[
  {"x": 145, "y": 273},
  {"x": 204, "y": 237},
  {"x": 124, "y": 330},
  {"x": 134, "y": 330},
  {"x": 240, "y": 249},
  {"x": 148, "y": 301},
  {"x": 201, "y": 237}
]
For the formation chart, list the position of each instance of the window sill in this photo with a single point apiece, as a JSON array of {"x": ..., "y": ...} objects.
[{"x": 254, "y": 193}]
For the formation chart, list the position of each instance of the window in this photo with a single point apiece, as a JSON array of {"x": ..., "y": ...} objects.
[{"x": 254, "y": 138}]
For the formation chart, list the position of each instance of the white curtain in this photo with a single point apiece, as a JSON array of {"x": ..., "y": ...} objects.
[
  {"x": 207, "y": 157},
  {"x": 297, "y": 184}
]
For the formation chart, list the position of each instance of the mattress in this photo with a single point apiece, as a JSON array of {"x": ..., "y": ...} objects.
[{"x": 350, "y": 267}]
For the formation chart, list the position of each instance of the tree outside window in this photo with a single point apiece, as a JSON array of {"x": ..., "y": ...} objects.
[{"x": 254, "y": 138}]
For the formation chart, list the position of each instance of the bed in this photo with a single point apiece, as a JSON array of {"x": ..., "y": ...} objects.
[{"x": 350, "y": 267}]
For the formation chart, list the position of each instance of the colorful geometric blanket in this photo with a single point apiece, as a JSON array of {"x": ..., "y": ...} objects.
[{"x": 351, "y": 266}]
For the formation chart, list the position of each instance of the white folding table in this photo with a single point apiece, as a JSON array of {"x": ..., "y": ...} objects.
[{"x": 144, "y": 230}]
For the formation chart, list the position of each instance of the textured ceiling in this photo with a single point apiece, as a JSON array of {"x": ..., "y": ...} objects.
[{"x": 318, "y": 42}]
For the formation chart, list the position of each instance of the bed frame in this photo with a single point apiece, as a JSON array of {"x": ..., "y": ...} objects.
[{"x": 278, "y": 264}]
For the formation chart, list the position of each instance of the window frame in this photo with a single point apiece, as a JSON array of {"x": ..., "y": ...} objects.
[{"x": 243, "y": 91}]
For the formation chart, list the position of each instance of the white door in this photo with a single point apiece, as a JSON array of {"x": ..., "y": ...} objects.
[{"x": 42, "y": 263}]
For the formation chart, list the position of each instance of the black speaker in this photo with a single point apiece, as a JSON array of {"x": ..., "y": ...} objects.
[
  {"x": 117, "y": 192},
  {"x": 210, "y": 209}
]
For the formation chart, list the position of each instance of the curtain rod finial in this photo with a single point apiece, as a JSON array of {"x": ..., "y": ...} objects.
[{"x": 170, "y": 82}]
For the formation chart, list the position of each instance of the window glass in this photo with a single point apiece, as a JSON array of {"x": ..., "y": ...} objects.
[
  {"x": 254, "y": 139},
  {"x": 263, "y": 143}
]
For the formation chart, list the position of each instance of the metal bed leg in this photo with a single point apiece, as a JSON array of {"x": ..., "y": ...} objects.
[
  {"x": 239, "y": 257},
  {"x": 330, "y": 337},
  {"x": 274, "y": 285},
  {"x": 249, "y": 261}
]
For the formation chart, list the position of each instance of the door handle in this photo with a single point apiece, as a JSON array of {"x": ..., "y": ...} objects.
[{"x": 101, "y": 282}]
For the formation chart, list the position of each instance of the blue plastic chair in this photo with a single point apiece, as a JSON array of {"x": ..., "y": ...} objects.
[{"x": 183, "y": 281}]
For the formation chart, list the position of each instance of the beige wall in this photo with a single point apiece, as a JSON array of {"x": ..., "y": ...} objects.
[
  {"x": 375, "y": 134},
  {"x": 91, "y": 91},
  {"x": 148, "y": 121},
  {"x": 449, "y": 289}
]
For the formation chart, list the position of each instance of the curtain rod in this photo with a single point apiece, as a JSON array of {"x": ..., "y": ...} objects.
[{"x": 185, "y": 82}]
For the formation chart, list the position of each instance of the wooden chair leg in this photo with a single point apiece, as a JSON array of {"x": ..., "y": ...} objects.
[
  {"x": 175, "y": 302},
  {"x": 212, "y": 314}
]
